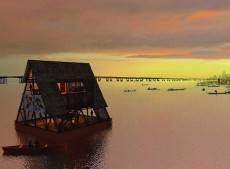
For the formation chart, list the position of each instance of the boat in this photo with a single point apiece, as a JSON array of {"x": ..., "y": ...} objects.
[
  {"x": 216, "y": 93},
  {"x": 128, "y": 90},
  {"x": 213, "y": 85},
  {"x": 152, "y": 88},
  {"x": 176, "y": 89},
  {"x": 32, "y": 150}
]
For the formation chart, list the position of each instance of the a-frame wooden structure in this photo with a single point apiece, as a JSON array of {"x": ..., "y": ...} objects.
[{"x": 60, "y": 96}]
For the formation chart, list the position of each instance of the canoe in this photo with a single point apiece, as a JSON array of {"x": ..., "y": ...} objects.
[
  {"x": 154, "y": 88},
  {"x": 213, "y": 86},
  {"x": 218, "y": 93},
  {"x": 133, "y": 90},
  {"x": 35, "y": 150},
  {"x": 176, "y": 89}
]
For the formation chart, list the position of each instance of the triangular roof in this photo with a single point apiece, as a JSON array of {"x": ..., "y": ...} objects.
[{"x": 47, "y": 73}]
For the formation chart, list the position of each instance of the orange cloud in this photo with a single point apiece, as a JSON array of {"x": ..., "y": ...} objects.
[
  {"x": 102, "y": 26},
  {"x": 209, "y": 14}
]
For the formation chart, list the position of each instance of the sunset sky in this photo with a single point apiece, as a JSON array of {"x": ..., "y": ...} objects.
[{"x": 115, "y": 29}]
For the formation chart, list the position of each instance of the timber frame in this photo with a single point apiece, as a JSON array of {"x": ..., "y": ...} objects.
[{"x": 60, "y": 96}]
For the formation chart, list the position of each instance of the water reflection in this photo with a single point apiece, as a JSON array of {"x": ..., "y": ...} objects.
[
  {"x": 151, "y": 129},
  {"x": 85, "y": 152}
]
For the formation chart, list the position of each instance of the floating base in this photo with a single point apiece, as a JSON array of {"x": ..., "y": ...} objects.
[{"x": 65, "y": 136}]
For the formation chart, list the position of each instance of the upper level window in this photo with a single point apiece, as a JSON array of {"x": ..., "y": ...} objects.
[
  {"x": 70, "y": 87},
  {"x": 75, "y": 86},
  {"x": 62, "y": 87}
]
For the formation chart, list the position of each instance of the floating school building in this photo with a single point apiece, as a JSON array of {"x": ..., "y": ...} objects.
[{"x": 59, "y": 97}]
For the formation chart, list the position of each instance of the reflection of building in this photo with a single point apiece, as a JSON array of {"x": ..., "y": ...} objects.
[{"x": 61, "y": 96}]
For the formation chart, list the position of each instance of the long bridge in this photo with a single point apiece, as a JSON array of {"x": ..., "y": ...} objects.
[{"x": 4, "y": 79}]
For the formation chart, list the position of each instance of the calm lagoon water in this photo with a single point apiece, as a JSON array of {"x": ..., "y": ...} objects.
[{"x": 151, "y": 130}]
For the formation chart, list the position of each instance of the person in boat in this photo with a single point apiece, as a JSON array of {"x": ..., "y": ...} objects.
[
  {"x": 30, "y": 145},
  {"x": 36, "y": 143},
  {"x": 91, "y": 113}
]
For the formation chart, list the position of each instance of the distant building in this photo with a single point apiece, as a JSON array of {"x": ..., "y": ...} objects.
[
  {"x": 224, "y": 79},
  {"x": 60, "y": 96}
]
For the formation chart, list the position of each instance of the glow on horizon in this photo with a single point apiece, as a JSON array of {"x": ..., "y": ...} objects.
[
  {"x": 108, "y": 64},
  {"x": 163, "y": 67},
  {"x": 104, "y": 64}
]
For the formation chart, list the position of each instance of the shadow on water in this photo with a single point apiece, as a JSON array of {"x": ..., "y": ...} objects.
[{"x": 86, "y": 152}]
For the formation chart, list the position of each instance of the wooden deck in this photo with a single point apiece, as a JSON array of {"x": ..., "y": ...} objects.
[
  {"x": 82, "y": 121},
  {"x": 66, "y": 136}
]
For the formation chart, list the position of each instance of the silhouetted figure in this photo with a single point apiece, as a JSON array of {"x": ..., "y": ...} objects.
[
  {"x": 91, "y": 113},
  {"x": 36, "y": 143},
  {"x": 30, "y": 144}
]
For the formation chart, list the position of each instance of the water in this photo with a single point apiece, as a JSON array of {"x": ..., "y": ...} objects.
[{"x": 151, "y": 130}]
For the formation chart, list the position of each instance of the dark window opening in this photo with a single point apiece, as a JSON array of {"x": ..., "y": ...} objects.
[
  {"x": 71, "y": 87},
  {"x": 62, "y": 87}
]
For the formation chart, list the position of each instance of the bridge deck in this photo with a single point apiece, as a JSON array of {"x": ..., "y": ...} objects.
[{"x": 4, "y": 79}]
